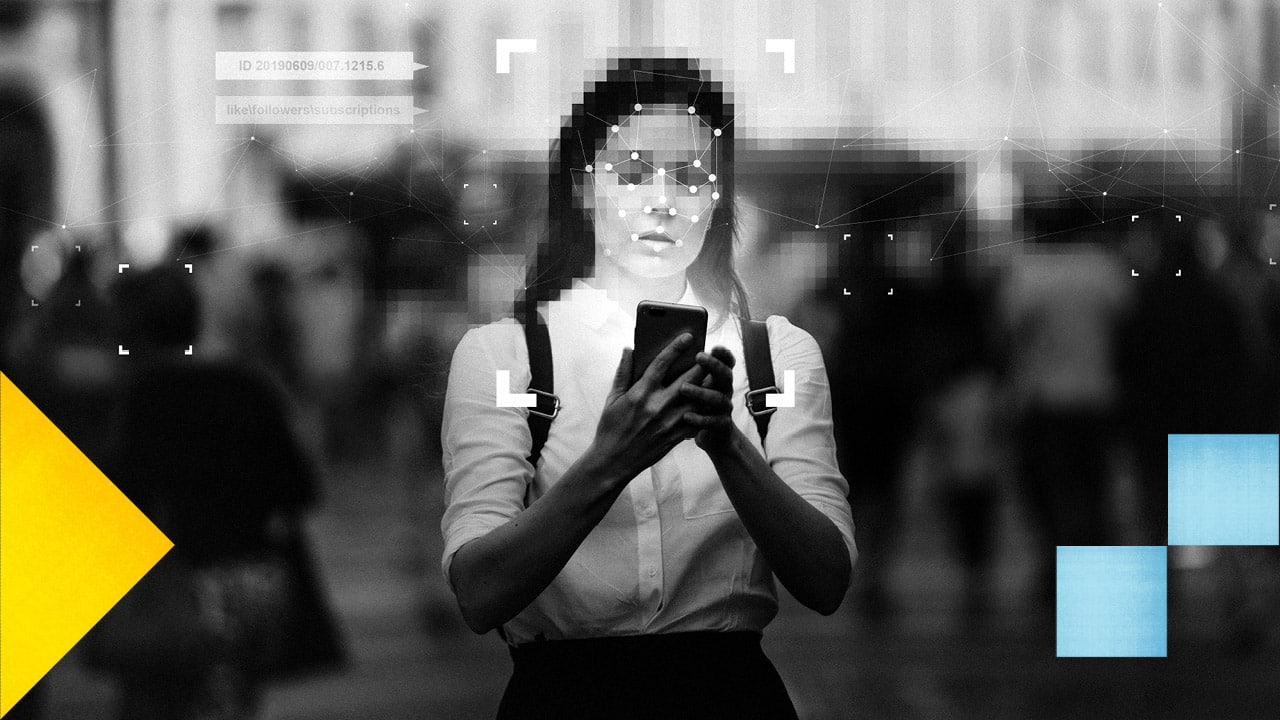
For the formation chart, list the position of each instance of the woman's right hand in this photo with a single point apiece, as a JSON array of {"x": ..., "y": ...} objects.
[{"x": 641, "y": 423}]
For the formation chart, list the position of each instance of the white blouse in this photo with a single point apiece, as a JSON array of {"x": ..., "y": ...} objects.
[{"x": 671, "y": 554}]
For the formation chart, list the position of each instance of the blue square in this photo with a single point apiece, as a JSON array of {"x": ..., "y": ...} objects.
[
  {"x": 1224, "y": 489},
  {"x": 1112, "y": 601}
]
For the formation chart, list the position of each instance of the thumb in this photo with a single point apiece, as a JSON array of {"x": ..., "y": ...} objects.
[{"x": 622, "y": 378}]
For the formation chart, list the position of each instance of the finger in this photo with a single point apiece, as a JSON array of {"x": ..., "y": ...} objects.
[
  {"x": 709, "y": 400},
  {"x": 622, "y": 378},
  {"x": 696, "y": 374},
  {"x": 721, "y": 373},
  {"x": 658, "y": 368},
  {"x": 706, "y": 422}
]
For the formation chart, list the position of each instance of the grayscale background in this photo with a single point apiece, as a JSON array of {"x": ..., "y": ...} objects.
[{"x": 975, "y": 206}]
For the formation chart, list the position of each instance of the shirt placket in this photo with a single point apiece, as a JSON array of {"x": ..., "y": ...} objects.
[{"x": 644, "y": 500}]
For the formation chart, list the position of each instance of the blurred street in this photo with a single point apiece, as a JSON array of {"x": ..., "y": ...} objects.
[{"x": 412, "y": 658}]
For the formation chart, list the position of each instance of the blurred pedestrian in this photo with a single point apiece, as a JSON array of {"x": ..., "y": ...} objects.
[
  {"x": 1183, "y": 366},
  {"x": 1060, "y": 308},
  {"x": 967, "y": 459},
  {"x": 205, "y": 450}
]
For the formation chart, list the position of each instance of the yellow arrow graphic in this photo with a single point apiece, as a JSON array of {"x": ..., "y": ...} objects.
[{"x": 71, "y": 545}]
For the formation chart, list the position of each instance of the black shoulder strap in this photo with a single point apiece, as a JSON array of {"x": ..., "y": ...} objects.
[
  {"x": 760, "y": 380},
  {"x": 541, "y": 380}
]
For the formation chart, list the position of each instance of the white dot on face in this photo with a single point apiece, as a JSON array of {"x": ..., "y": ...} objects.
[
  {"x": 635, "y": 156},
  {"x": 589, "y": 168},
  {"x": 638, "y": 107},
  {"x": 715, "y": 196},
  {"x": 662, "y": 200},
  {"x": 816, "y": 227},
  {"x": 671, "y": 211},
  {"x": 648, "y": 209},
  {"x": 661, "y": 229},
  {"x": 631, "y": 186},
  {"x": 608, "y": 166},
  {"x": 716, "y": 132},
  {"x": 662, "y": 171},
  {"x": 614, "y": 128},
  {"x": 692, "y": 110},
  {"x": 697, "y": 163},
  {"x": 693, "y": 188},
  {"x": 693, "y": 218},
  {"x": 622, "y": 213},
  {"x": 679, "y": 242},
  {"x": 711, "y": 177},
  {"x": 635, "y": 237}
]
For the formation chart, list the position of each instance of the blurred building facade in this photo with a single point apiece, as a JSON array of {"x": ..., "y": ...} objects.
[{"x": 127, "y": 86}]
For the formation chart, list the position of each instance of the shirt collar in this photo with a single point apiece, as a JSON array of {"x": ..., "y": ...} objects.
[{"x": 593, "y": 307}]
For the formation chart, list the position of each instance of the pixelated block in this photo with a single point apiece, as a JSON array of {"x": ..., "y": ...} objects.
[
  {"x": 1112, "y": 601},
  {"x": 1224, "y": 489}
]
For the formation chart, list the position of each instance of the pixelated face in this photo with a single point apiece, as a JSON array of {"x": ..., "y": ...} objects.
[{"x": 652, "y": 189}]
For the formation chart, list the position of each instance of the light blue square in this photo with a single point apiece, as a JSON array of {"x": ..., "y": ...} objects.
[
  {"x": 1112, "y": 601},
  {"x": 1224, "y": 489}
]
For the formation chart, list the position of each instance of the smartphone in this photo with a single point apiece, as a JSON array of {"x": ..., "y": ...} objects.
[{"x": 657, "y": 324}]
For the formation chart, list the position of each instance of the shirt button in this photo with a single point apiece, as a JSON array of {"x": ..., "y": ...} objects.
[{"x": 653, "y": 573}]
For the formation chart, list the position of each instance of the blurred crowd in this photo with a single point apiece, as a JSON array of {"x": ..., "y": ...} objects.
[
  {"x": 1049, "y": 384},
  {"x": 1053, "y": 384}
]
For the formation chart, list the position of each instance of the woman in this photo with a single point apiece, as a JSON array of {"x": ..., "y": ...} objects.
[{"x": 632, "y": 572}]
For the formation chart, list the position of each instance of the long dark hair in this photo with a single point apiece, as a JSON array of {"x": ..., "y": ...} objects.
[{"x": 568, "y": 250}]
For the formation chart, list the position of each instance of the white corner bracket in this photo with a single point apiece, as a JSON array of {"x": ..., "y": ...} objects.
[
  {"x": 506, "y": 46},
  {"x": 786, "y": 398},
  {"x": 506, "y": 398},
  {"x": 786, "y": 46}
]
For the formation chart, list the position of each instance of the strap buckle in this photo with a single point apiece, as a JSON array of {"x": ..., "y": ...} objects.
[
  {"x": 759, "y": 409},
  {"x": 555, "y": 404}
]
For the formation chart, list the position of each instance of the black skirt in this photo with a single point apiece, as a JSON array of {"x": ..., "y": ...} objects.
[{"x": 678, "y": 675}]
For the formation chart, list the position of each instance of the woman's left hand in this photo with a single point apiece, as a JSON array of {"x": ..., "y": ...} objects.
[{"x": 713, "y": 419}]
